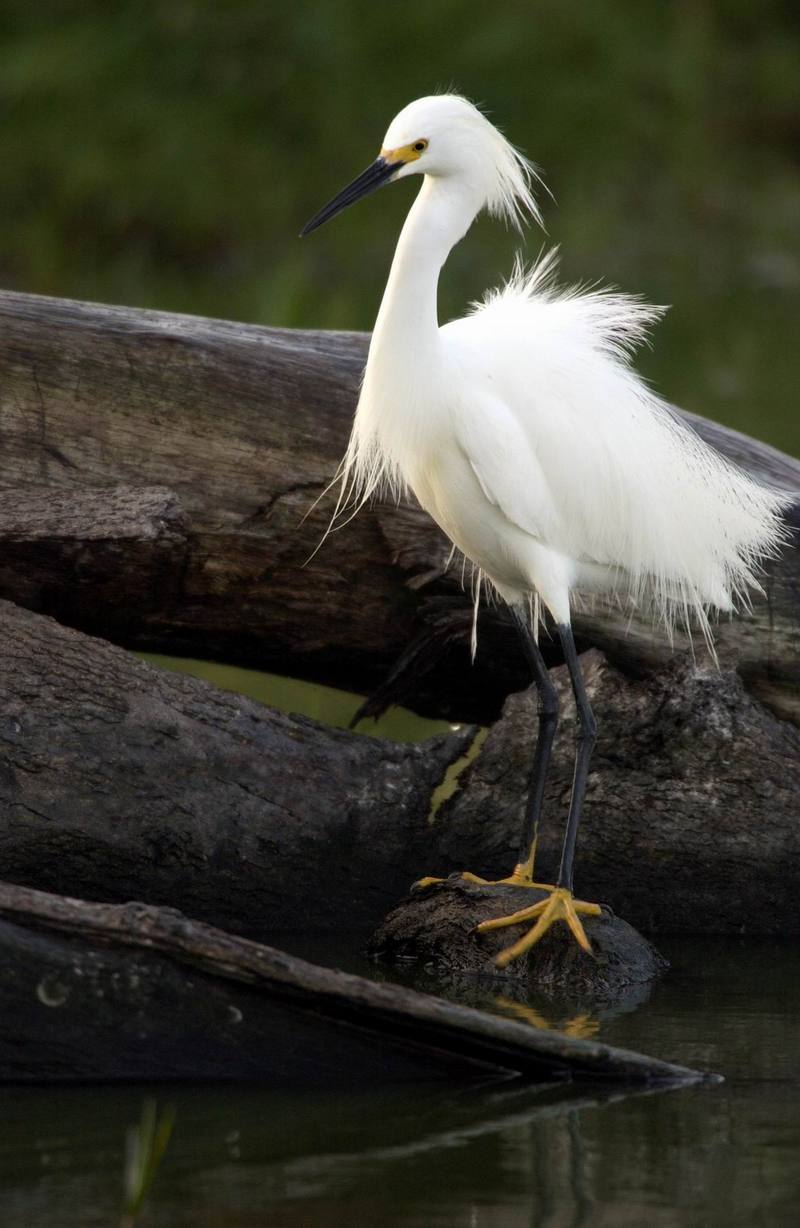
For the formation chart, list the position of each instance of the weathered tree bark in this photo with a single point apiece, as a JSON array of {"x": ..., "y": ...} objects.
[
  {"x": 93, "y": 554},
  {"x": 98, "y": 991},
  {"x": 119, "y": 780},
  {"x": 245, "y": 426}
]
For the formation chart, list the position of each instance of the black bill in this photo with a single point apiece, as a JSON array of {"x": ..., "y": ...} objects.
[{"x": 370, "y": 180}]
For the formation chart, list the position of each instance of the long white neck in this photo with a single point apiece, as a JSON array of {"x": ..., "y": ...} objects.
[
  {"x": 405, "y": 355},
  {"x": 407, "y": 327}
]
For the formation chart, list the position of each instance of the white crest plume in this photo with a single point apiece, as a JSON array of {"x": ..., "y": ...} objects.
[{"x": 510, "y": 190}]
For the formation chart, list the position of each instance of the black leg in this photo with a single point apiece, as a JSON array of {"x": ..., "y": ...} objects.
[
  {"x": 587, "y": 732},
  {"x": 548, "y": 720}
]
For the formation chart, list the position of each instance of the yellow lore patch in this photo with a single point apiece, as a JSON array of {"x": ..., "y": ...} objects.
[{"x": 404, "y": 153}]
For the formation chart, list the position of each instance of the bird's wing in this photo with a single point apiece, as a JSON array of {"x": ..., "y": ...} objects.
[
  {"x": 598, "y": 467},
  {"x": 577, "y": 461},
  {"x": 503, "y": 461}
]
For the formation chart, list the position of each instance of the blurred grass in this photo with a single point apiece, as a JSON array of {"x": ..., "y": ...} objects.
[
  {"x": 166, "y": 154},
  {"x": 145, "y": 1145}
]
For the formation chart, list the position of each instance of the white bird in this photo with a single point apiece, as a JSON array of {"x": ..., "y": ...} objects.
[{"x": 526, "y": 435}]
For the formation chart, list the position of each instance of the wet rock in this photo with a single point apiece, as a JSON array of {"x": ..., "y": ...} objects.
[{"x": 434, "y": 932}]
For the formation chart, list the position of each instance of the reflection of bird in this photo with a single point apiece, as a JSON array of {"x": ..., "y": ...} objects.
[
  {"x": 584, "y": 1025},
  {"x": 525, "y": 434}
]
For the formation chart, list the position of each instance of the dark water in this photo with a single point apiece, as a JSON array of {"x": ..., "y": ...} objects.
[{"x": 442, "y": 1155}]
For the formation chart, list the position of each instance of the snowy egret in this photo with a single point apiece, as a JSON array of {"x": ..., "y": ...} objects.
[{"x": 524, "y": 432}]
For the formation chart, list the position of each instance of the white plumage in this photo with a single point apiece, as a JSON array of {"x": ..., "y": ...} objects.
[
  {"x": 523, "y": 430},
  {"x": 525, "y": 433}
]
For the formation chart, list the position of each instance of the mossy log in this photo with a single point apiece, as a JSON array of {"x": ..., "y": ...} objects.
[{"x": 155, "y": 472}]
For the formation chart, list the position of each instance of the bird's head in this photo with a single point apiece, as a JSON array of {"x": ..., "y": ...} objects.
[{"x": 447, "y": 137}]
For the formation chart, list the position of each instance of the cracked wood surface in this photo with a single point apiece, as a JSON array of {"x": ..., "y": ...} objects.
[{"x": 246, "y": 426}]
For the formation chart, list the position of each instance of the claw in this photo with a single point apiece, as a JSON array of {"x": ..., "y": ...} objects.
[
  {"x": 430, "y": 880},
  {"x": 559, "y": 907},
  {"x": 520, "y": 877},
  {"x": 427, "y": 881}
]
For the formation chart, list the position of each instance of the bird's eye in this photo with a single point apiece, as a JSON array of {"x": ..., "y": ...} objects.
[{"x": 419, "y": 146}]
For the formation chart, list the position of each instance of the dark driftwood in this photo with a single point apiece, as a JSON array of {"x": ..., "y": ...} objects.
[
  {"x": 246, "y": 426},
  {"x": 120, "y": 781},
  {"x": 97, "y": 991}
]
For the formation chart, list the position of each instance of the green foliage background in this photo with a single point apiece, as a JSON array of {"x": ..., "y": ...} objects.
[{"x": 166, "y": 154}]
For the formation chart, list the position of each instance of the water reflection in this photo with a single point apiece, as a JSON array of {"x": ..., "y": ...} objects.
[
  {"x": 584, "y": 1026},
  {"x": 398, "y": 1158},
  {"x": 585, "y": 1014},
  {"x": 493, "y": 1157}
]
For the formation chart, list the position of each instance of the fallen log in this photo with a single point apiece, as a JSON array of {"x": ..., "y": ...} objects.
[
  {"x": 97, "y": 991},
  {"x": 246, "y": 426},
  {"x": 119, "y": 780},
  {"x": 89, "y": 556}
]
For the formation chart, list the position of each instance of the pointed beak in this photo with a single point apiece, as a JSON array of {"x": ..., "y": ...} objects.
[{"x": 370, "y": 180}]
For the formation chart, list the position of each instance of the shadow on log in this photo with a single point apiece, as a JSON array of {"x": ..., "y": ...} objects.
[
  {"x": 244, "y": 427},
  {"x": 94, "y": 991}
]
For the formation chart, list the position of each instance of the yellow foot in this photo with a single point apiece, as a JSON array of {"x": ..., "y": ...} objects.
[
  {"x": 520, "y": 877},
  {"x": 559, "y": 907}
]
